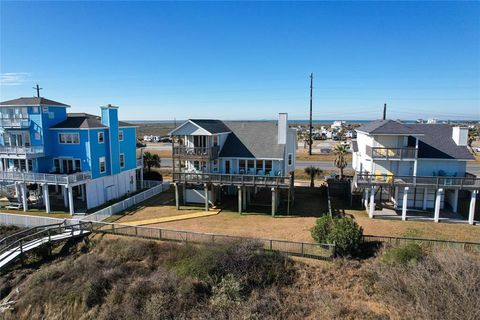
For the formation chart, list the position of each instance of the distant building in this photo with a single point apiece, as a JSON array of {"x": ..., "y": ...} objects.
[
  {"x": 50, "y": 158},
  {"x": 414, "y": 166},
  {"x": 337, "y": 125}
]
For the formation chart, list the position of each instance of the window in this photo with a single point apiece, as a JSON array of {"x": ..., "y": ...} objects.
[
  {"x": 51, "y": 115},
  {"x": 122, "y": 160},
  {"x": 242, "y": 166},
  {"x": 120, "y": 135},
  {"x": 268, "y": 166},
  {"x": 77, "y": 165},
  {"x": 102, "y": 164},
  {"x": 45, "y": 109},
  {"x": 259, "y": 165},
  {"x": 101, "y": 137},
  {"x": 34, "y": 109},
  {"x": 68, "y": 138},
  {"x": 290, "y": 159}
]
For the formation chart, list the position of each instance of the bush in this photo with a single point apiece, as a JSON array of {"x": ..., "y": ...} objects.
[
  {"x": 410, "y": 253},
  {"x": 344, "y": 232}
]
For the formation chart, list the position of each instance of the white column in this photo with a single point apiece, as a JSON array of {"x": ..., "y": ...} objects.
[
  {"x": 438, "y": 202},
  {"x": 65, "y": 196},
  {"x": 46, "y": 197},
  {"x": 82, "y": 191},
  {"x": 239, "y": 189},
  {"x": 1, "y": 166},
  {"x": 405, "y": 203},
  {"x": 395, "y": 206},
  {"x": 365, "y": 200},
  {"x": 274, "y": 201},
  {"x": 425, "y": 198},
  {"x": 18, "y": 192},
  {"x": 24, "y": 193},
  {"x": 205, "y": 188},
  {"x": 471, "y": 211},
  {"x": 372, "y": 203},
  {"x": 244, "y": 199},
  {"x": 177, "y": 196},
  {"x": 70, "y": 200},
  {"x": 455, "y": 201}
]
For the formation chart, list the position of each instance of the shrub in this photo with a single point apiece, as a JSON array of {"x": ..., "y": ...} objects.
[
  {"x": 406, "y": 254},
  {"x": 344, "y": 232},
  {"x": 227, "y": 293}
]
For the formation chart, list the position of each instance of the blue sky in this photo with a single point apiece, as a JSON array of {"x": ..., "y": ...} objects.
[{"x": 165, "y": 60}]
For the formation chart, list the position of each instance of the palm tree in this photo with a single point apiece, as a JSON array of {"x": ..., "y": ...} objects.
[
  {"x": 312, "y": 172},
  {"x": 340, "y": 161},
  {"x": 472, "y": 134},
  {"x": 151, "y": 160}
]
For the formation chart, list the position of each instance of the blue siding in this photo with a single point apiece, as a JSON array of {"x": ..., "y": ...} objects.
[
  {"x": 98, "y": 150},
  {"x": 110, "y": 119},
  {"x": 128, "y": 147}
]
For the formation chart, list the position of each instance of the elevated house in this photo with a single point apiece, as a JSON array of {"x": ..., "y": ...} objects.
[
  {"x": 413, "y": 166},
  {"x": 213, "y": 157},
  {"x": 49, "y": 156}
]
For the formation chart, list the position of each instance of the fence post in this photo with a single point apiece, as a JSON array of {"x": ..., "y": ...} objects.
[
  {"x": 271, "y": 244},
  {"x": 302, "y": 249},
  {"x": 160, "y": 234},
  {"x": 136, "y": 231}
]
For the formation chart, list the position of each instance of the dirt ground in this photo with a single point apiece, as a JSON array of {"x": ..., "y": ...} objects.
[{"x": 309, "y": 205}]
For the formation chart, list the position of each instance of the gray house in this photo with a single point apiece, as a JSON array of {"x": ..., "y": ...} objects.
[{"x": 237, "y": 156}]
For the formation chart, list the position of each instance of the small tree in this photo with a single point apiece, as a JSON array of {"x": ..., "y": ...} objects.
[
  {"x": 151, "y": 160},
  {"x": 340, "y": 161},
  {"x": 312, "y": 172},
  {"x": 472, "y": 135},
  {"x": 344, "y": 232}
]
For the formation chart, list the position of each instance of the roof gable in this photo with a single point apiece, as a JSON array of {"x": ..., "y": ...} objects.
[{"x": 386, "y": 127}]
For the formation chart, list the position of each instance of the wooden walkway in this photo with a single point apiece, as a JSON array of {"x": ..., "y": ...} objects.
[{"x": 198, "y": 214}]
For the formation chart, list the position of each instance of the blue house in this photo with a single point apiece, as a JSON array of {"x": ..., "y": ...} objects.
[{"x": 49, "y": 156}]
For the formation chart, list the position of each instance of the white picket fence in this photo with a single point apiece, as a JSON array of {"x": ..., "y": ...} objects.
[
  {"x": 124, "y": 204},
  {"x": 24, "y": 221}
]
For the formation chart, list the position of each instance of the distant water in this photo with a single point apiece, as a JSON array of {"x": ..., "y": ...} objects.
[{"x": 301, "y": 121}]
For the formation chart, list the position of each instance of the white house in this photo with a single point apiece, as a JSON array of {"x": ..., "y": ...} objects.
[
  {"x": 238, "y": 156},
  {"x": 414, "y": 166}
]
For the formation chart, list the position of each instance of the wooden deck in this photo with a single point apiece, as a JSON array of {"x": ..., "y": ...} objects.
[{"x": 221, "y": 179}]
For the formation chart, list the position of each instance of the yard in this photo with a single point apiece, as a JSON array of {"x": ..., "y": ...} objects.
[{"x": 309, "y": 204}]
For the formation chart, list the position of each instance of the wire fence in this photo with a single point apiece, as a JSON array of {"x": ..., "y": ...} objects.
[
  {"x": 431, "y": 243},
  {"x": 304, "y": 249}
]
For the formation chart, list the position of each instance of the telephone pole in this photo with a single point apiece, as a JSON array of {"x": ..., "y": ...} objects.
[
  {"x": 310, "y": 141},
  {"x": 384, "y": 111},
  {"x": 38, "y": 90}
]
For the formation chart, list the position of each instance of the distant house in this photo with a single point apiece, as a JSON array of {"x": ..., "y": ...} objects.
[
  {"x": 414, "y": 166},
  {"x": 75, "y": 159},
  {"x": 233, "y": 157}
]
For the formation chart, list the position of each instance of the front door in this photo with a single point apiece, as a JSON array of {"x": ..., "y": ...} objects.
[
  {"x": 227, "y": 166},
  {"x": 67, "y": 166}
]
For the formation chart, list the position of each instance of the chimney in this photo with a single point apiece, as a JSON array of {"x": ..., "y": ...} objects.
[
  {"x": 282, "y": 128},
  {"x": 110, "y": 119},
  {"x": 460, "y": 135}
]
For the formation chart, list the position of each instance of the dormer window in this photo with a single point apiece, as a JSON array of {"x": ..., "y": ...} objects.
[{"x": 101, "y": 137}]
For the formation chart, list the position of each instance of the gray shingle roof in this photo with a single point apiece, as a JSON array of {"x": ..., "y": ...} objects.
[
  {"x": 84, "y": 121},
  {"x": 32, "y": 101},
  {"x": 212, "y": 126},
  {"x": 437, "y": 142},
  {"x": 385, "y": 127},
  {"x": 252, "y": 140}
]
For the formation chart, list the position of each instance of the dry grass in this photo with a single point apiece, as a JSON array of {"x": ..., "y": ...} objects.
[{"x": 302, "y": 154}]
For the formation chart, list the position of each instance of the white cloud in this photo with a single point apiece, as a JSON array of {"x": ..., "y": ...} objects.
[{"x": 14, "y": 78}]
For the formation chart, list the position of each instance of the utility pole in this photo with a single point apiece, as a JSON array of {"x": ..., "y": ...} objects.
[
  {"x": 384, "y": 111},
  {"x": 310, "y": 141},
  {"x": 38, "y": 90}
]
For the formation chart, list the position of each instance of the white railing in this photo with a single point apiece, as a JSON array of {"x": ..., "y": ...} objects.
[
  {"x": 129, "y": 202},
  {"x": 15, "y": 122},
  {"x": 140, "y": 162},
  {"x": 44, "y": 177},
  {"x": 21, "y": 150},
  {"x": 25, "y": 221}
]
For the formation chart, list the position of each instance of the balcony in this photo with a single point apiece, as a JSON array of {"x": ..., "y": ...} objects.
[
  {"x": 49, "y": 178},
  {"x": 232, "y": 179},
  {"x": 22, "y": 151},
  {"x": 382, "y": 153},
  {"x": 195, "y": 153},
  {"x": 468, "y": 182},
  {"x": 16, "y": 123}
]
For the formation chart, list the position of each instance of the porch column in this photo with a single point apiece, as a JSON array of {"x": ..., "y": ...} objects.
[
  {"x": 82, "y": 191},
  {"x": 70, "y": 200},
  {"x": 18, "y": 192},
  {"x": 438, "y": 202},
  {"x": 177, "y": 196},
  {"x": 1, "y": 166},
  {"x": 395, "y": 205},
  {"x": 425, "y": 198},
  {"x": 405, "y": 203},
  {"x": 239, "y": 189},
  {"x": 46, "y": 197},
  {"x": 372, "y": 203},
  {"x": 141, "y": 177},
  {"x": 274, "y": 201},
  {"x": 23, "y": 188},
  {"x": 205, "y": 188},
  {"x": 471, "y": 211},
  {"x": 65, "y": 196},
  {"x": 184, "y": 193},
  {"x": 365, "y": 200},
  {"x": 244, "y": 199},
  {"x": 455, "y": 201}
]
